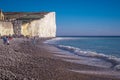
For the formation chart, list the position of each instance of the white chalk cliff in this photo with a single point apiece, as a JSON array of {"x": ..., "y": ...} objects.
[
  {"x": 44, "y": 27},
  {"x": 6, "y": 28}
]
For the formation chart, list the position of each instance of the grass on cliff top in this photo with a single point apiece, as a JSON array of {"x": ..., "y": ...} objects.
[{"x": 25, "y": 15}]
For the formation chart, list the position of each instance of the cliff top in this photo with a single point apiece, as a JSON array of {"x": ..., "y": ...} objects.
[{"x": 24, "y": 16}]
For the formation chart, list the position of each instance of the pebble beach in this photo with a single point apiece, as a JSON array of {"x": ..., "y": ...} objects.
[{"x": 22, "y": 60}]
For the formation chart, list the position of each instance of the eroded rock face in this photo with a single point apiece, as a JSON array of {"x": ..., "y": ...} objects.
[
  {"x": 45, "y": 27},
  {"x": 6, "y": 28},
  {"x": 17, "y": 27},
  {"x": 38, "y": 24}
]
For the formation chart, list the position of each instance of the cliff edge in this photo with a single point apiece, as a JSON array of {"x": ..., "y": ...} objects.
[{"x": 42, "y": 24}]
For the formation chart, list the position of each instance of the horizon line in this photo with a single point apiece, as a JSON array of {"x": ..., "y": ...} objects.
[{"x": 88, "y": 36}]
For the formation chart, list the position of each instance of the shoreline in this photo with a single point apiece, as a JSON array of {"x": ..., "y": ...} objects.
[
  {"x": 22, "y": 60},
  {"x": 112, "y": 61},
  {"x": 73, "y": 58}
]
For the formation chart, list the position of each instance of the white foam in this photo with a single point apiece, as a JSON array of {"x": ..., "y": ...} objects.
[
  {"x": 80, "y": 52},
  {"x": 117, "y": 67},
  {"x": 51, "y": 41},
  {"x": 70, "y": 57}
]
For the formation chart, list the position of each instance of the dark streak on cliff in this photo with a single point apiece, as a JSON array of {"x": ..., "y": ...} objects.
[{"x": 24, "y": 16}]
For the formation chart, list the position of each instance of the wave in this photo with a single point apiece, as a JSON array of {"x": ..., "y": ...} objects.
[
  {"x": 51, "y": 41},
  {"x": 77, "y": 51}
]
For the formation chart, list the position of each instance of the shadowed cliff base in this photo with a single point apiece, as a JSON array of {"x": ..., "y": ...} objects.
[{"x": 21, "y": 60}]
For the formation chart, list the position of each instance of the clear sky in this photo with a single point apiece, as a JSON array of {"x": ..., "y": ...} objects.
[{"x": 75, "y": 17}]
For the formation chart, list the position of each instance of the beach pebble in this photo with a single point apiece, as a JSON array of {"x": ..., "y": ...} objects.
[{"x": 7, "y": 75}]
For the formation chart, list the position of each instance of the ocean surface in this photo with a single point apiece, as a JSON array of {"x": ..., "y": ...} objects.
[{"x": 107, "y": 48}]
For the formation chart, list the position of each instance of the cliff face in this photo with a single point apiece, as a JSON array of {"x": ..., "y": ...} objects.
[
  {"x": 44, "y": 27},
  {"x": 6, "y": 28},
  {"x": 33, "y": 24}
]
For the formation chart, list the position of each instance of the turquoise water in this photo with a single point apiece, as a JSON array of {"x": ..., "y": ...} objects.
[
  {"x": 99, "y": 45},
  {"x": 104, "y": 48}
]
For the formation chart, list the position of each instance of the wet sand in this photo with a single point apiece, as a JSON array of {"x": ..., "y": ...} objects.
[{"x": 22, "y": 60}]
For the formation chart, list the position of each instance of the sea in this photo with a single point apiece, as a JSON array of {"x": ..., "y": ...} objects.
[{"x": 105, "y": 48}]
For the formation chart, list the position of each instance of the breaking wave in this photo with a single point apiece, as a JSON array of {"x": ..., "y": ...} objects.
[
  {"x": 114, "y": 60},
  {"x": 77, "y": 51}
]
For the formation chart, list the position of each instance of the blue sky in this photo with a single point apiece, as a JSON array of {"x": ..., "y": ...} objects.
[{"x": 75, "y": 17}]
